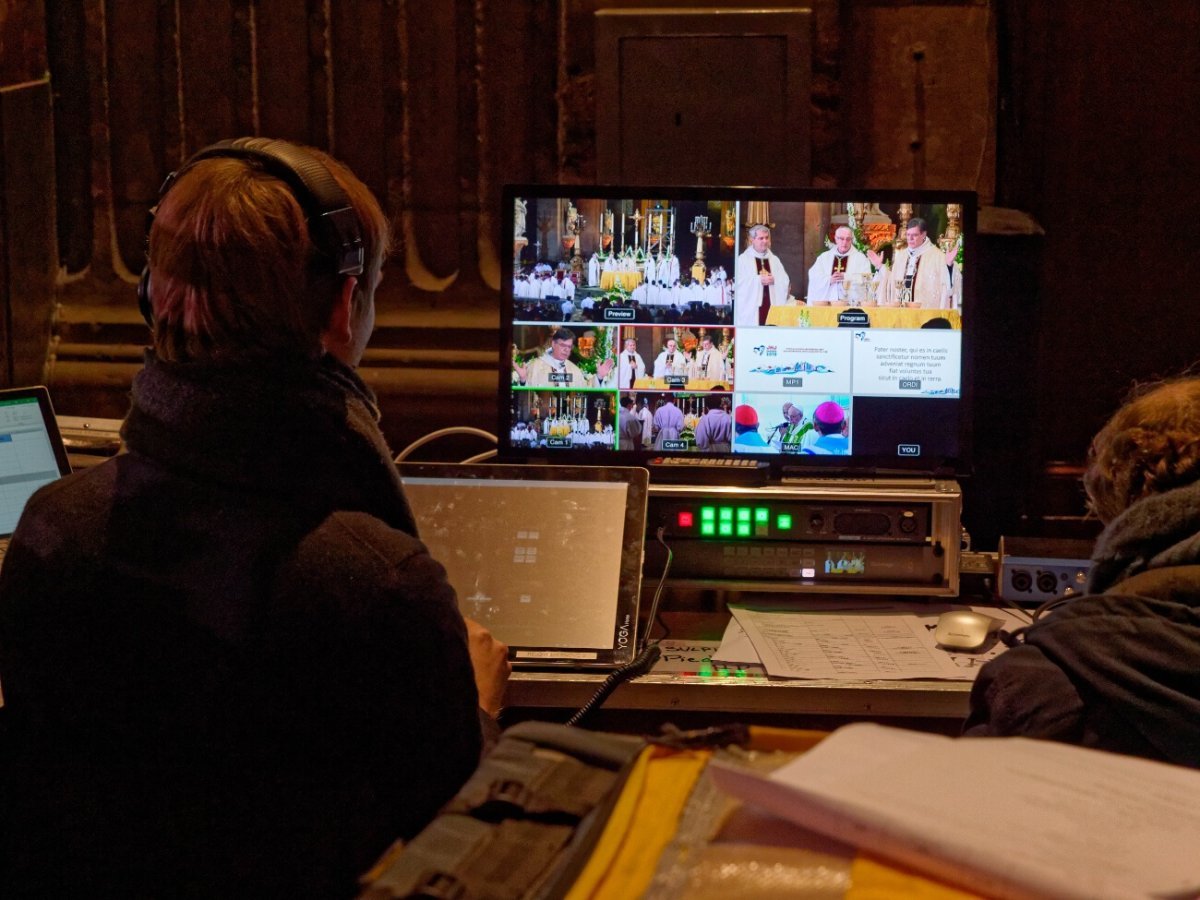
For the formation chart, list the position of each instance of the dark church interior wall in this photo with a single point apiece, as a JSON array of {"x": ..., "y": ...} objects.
[
  {"x": 27, "y": 253},
  {"x": 1081, "y": 115}
]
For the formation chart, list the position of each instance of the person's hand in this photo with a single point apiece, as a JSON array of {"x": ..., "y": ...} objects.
[
  {"x": 766, "y": 278},
  {"x": 605, "y": 367},
  {"x": 489, "y": 660},
  {"x": 875, "y": 258},
  {"x": 837, "y": 277}
]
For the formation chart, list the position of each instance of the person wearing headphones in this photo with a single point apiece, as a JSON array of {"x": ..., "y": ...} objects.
[{"x": 230, "y": 667}]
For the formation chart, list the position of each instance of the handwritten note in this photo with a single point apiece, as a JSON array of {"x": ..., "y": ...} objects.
[{"x": 697, "y": 658}]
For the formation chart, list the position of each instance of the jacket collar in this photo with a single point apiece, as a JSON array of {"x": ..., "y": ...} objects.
[{"x": 307, "y": 429}]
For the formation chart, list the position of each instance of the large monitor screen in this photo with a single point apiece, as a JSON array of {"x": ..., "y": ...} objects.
[{"x": 815, "y": 329}]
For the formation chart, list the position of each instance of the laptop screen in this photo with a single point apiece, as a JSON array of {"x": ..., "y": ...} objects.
[
  {"x": 548, "y": 558},
  {"x": 31, "y": 450}
]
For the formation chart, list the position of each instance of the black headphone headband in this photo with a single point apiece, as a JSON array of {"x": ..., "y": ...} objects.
[{"x": 332, "y": 222}]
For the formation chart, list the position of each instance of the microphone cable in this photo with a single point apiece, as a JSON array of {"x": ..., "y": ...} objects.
[
  {"x": 641, "y": 664},
  {"x": 646, "y": 657}
]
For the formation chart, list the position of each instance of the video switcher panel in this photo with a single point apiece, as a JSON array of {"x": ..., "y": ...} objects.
[{"x": 844, "y": 536}]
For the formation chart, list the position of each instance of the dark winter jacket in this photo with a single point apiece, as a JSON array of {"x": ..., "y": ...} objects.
[
  {"x": 1119, "y": 667},
  {"x": 230, "y": 668}
]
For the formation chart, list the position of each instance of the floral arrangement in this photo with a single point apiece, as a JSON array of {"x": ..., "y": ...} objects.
[
  {"x": 599, "y": 347},
  {"x": 617, "y": 294},
  {"x": 860, "y": 239},
  {"x": 688, "y": 433},
  {"x": 520, "y": 359}
]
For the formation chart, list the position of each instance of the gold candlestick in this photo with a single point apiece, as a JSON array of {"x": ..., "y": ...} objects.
[{"x": 701, "y": 229}]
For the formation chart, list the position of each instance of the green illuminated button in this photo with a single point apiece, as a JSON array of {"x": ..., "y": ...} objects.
[
  {"x": 726, "y": 514},
  {"x": 726, "y": 529},
  {"x": 784, "y": 522},
  {"x": 762, "y": 514},
  {"x": 743, "y": 529},
  {"x": 707, "y": 513},
  {"x": 743, "y": 514},
  {"x": 707, "y": 529}
]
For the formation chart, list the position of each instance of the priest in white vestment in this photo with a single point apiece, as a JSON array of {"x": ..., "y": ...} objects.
[
  {"x": 555, "y": 369},
  {"x": 830, "y": 276},
  {"x": 668, "y": 269},
  {"x": 919, "y": 272},
  {"x": 631, "y": 366},
  {"x": 671, "y": 361},
  {"x": 759, "y": 280},
  {"x": 647, "y": 418},
  {"x": 709, "y": 364}
]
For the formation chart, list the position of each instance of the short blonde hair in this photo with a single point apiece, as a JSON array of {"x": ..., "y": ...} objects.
[
  {"x": 234, "y": 273},
  {"x": 1150, "y": 445}
]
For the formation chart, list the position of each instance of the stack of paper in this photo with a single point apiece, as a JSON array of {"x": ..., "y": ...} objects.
[
  {"x": 888, "y": 643},
  {"x": 1006, "y": 817}
]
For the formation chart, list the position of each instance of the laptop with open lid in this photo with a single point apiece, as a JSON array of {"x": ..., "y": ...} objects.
[
  {"x": 549, "y": 558},
  {"x": 31, "y": 452}
]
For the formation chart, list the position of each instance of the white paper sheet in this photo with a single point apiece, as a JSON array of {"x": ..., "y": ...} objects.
[
  {"x": 736, "y": 648},
  {"x": 866, "y": 645},
  {"x": 1009, "y": 817}
]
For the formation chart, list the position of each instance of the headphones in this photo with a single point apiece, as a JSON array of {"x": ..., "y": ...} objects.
[{"x": 332, "y": 222}]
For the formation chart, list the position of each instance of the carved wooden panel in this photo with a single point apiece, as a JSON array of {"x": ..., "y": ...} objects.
[
  {"x": 703, "y": 97},
  {"x": 434, "y": 105},
  {"x": 27, "y": 235}
]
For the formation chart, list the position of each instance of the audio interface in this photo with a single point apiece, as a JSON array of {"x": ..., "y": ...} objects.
[{"x": 1034, "y": 570}]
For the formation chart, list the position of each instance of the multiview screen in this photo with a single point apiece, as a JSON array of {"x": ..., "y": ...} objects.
[{"x": 811, "y": 328}]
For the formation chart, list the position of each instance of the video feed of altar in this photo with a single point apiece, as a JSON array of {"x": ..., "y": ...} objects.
[{"x": 736, "y": 321}]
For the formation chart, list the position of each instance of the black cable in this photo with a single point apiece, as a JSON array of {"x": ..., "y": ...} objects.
[
  {"x": 1016, "y": 607},
  {"x": 1055, "y": 602},
  {"x": 647, "y": 656},
  {"x": 640, "y": 666},
  {"x": 662, "y": 580},
  {"x": 1011, "y": 639}
]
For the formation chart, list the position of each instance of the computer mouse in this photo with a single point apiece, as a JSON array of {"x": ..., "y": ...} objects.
[{"x": 965, "y": 629}]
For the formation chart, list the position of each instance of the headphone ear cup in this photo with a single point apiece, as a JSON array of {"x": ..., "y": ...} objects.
[{"x": 143, "y": 296}]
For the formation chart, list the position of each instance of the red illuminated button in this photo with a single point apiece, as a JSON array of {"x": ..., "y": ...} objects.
[{"x": 685, "y": 520}]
